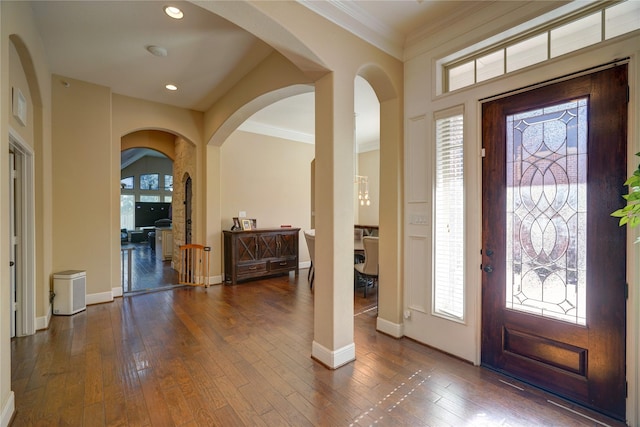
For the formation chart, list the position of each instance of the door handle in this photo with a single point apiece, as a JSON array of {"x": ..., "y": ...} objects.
[{"x": 488, "y": 269}]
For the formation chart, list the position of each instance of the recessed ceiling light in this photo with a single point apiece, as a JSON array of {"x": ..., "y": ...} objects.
[
  {"x": 157, "y": 50},
  {"x": 171, "y": 87},
  {"x": 173, "y": 12}
]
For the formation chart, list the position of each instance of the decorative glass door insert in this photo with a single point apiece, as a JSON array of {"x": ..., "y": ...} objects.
[{"x": 546, "y": 211}]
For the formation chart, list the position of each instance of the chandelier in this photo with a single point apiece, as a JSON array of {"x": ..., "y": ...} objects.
[{"x": 363, "y": 189}]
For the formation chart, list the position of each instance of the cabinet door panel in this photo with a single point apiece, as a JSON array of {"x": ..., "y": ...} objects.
[
  {"x": 268, "y": 244},
  {"x": 288, "y": 245},
  {"x": 246, "y": 249}
]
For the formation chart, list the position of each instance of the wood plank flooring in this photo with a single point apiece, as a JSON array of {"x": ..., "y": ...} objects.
[
  {"x": 148, "y": 272},
  {"x": 240, "y": 356}
]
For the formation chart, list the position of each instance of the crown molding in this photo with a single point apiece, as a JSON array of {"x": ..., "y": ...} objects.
[
  {"x": 262, "y": 129},
  {"x": 364, "y": 147},
  {"x": 357, "y": 21}
]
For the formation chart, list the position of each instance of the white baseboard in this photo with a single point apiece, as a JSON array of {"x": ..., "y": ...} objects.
[
  {"x": 333, "y": 359},
  {"x": 395, "y": 330},
  {"x": 7, "y": 410},
  {"x": 99, "y": 298},
  {"x": 43, "y": 322},
  {"x": 116, "y": 292},
  {"x": 214, "y": 280},
  {"x": 304, "y": 264}
]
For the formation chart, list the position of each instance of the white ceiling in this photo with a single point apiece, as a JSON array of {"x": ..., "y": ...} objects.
[{"x": 104, "y": 42}]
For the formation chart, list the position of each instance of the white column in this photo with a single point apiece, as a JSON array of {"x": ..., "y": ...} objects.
[{"x": 333, "y": 343}]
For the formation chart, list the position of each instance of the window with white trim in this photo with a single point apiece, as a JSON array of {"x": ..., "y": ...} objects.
[
  {"x": 448, "y": 224},
  {"x": 595, "y": 23}
]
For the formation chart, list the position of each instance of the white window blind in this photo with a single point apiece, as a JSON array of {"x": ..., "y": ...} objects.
[{"x": 448, "y": 284}]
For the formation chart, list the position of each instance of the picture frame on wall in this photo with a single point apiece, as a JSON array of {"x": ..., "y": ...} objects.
[
  {"x": 246, "y": 224},
  {"x": 236, "y": 224}
]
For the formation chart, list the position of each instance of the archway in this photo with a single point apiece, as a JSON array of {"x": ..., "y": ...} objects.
[
  {"x": 366, "y": 190},
  {"x": 146, "y": 199},
  {"x": 390, "y": 162},
  {"x": 25, "y": 143}
]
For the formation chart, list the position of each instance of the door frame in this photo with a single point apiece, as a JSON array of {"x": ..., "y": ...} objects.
[
  {"x": 417, "y": 127},
  {"x": 584, "y": 381},
  {"x": 25, "y": 267}
]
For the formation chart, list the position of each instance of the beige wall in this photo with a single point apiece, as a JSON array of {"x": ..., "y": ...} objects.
[
  {"x": 269, "y": 178},
  {"x": 213, "y": 209},
  {"x": 178, "y": 134},
  {"x": 82, "y": 182},
  {"x": 17, "y": 24},
  {"x": 18, "y": 82}
]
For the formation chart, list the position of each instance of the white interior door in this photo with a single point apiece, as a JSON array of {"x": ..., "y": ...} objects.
[
  {"x": 12, "y": 243},
  {"x": 22, "y": 241}
]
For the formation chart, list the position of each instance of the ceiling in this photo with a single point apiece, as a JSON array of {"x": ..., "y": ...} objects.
[{"x": 105, "y": 43}]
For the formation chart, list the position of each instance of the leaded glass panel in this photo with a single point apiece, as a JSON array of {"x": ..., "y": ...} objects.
[{"x": 546, "y": 211}]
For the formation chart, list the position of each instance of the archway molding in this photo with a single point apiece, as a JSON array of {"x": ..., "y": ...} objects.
[
  {"x": 390, "y": 215},
  {"x": 34, "y": 302},
  {"x": 247, "y": 110}
]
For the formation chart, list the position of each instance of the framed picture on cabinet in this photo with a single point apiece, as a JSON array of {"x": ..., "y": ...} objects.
[
  {"x": 236, "y": 224},
  {"x": 246, "y": 224}
]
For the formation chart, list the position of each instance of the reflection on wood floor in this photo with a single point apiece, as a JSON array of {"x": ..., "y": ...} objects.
[
  {"x": 240, "y": 356},
  {"x": 148, "y": 272}
]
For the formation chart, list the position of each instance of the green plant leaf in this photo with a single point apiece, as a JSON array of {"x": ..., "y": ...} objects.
[
  {"x": 617, "y": 213},
  {"x": 635, "y": 196},
  {"x": 630, "y": 213}
]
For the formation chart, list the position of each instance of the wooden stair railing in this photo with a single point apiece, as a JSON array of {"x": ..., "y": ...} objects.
[{"x": 194, "y": 265}]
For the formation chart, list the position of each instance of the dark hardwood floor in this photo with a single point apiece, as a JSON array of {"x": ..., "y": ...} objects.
[
  {"x": 240, "y": 356},
  {"x": 148, "y": 272}
]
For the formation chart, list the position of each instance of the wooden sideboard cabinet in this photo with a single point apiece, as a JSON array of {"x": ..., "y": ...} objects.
[{"x": 258, "y": 253}]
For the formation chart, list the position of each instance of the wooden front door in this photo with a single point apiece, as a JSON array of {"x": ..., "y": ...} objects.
[{"x": 553, "y": 259}]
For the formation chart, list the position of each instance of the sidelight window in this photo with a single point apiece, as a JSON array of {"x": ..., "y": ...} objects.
[{"x": 448, "y": 288}]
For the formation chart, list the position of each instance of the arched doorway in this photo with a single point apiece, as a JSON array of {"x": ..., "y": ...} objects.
[
  {"x": 367, "y": 184},
  {"x": 146, "y": 198}
]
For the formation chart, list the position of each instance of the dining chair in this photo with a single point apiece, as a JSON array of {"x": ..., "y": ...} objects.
[
  {"x": 310, "y": 238},
  {"x": 368, "y": 270}
]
